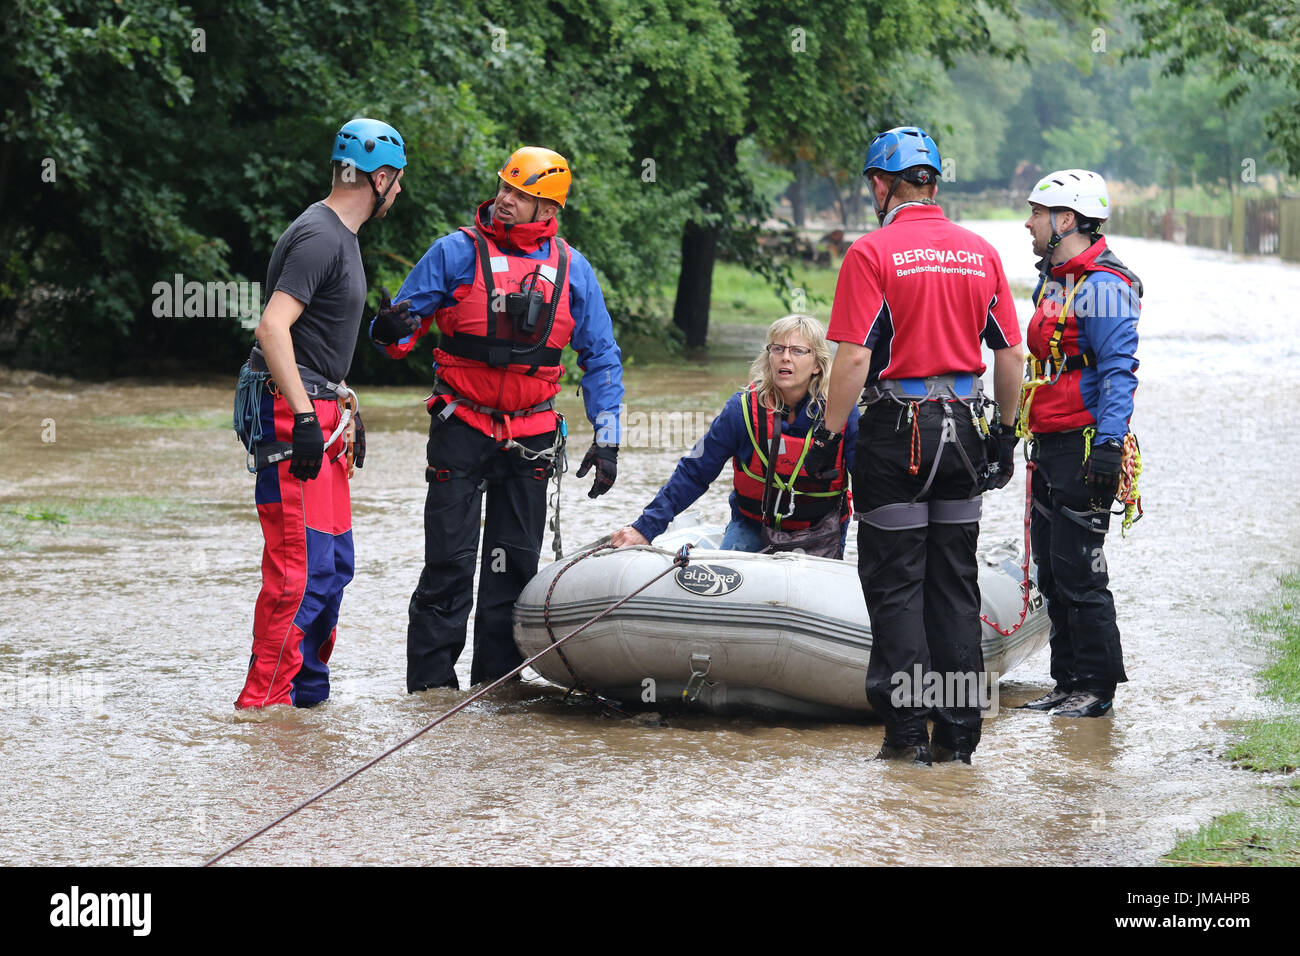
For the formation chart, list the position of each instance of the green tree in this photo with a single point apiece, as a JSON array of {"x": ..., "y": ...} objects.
[
  {"x": 1244, "y": 41},
  {"x": 184, "y": 140},
  {"x": 818, "y": 81}
]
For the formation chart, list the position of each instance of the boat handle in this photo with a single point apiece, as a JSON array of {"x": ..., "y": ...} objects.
[{"x": 700, "y": 664}]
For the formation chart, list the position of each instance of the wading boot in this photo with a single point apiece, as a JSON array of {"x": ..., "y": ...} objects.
[
  {"x": 941, "y": 754},
  {"x": 1083, "y": 704},
  {"x": 1053, "y": 698},
  {"x": 917, "y": 753}
]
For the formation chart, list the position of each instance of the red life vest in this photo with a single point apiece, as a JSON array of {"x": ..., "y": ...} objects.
[
  {"x": 1053, "y": 341},
  {"x": 801, "y": 502},
  {"x": 504, "y": 362}
]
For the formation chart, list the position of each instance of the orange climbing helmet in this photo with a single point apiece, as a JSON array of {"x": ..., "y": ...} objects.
[{"x": 539, "y": 172}]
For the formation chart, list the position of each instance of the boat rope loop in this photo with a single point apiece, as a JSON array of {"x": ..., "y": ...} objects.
[
  {"x": 579, "y": 684},
  {"x": 680, "y": 560}
]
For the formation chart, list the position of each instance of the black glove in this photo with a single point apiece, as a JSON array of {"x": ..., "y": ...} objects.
[
  {"x": 358, "y": 441},
  {"x": 393, "y": 321},
  {"x": 1101, "y": 473},
  {"x": 308, "y": 447},
  {"x": 821, "y": 457},
  {"x": 605, "y": 458},
  {"x": 1001, "y": 446}
]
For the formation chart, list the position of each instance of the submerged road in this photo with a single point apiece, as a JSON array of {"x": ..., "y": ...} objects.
[{"x": 126, "y": 633}]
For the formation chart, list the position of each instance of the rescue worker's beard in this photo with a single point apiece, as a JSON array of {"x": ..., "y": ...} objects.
[
  {"x": 537, "y": 207},
  {"x": 525, "y": 236}
]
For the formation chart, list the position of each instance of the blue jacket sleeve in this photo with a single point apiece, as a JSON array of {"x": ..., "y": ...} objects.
[
  {"x": 598, "y": 354},
  {"x": 1109, "y": 329},
  {"x": 445, "y": 267},
  {"x": 448, "y": 265},
  {"x": 697, "y": 470}
]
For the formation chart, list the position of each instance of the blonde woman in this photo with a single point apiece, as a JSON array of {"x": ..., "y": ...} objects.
[{"x": 788, "y": 387}]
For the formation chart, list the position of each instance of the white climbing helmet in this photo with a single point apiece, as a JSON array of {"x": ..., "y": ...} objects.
[{"x": 1079, "y": 189}]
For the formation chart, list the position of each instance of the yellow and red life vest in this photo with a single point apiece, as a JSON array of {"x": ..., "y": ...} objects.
[{"x": 800, "y": 499}]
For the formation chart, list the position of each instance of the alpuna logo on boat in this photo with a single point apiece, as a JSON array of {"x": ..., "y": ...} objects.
[{"x": 709, "y": 580}]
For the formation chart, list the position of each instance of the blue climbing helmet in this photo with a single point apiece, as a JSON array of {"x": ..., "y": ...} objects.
[
  {"x": 902, "y": 148},
  {"x": 369, "y": 144},
  {"x": 909, "y": 152}
]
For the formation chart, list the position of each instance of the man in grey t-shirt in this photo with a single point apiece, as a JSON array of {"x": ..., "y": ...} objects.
[{"x": 306, "y": 339}]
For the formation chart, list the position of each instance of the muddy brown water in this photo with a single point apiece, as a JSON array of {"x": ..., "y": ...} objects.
[{"x": 125, "y": 635}]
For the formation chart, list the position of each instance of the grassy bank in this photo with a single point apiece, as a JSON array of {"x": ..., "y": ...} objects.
[
  {"x": 741, "y": 297},
  {"x": 1268, "y": 837}
]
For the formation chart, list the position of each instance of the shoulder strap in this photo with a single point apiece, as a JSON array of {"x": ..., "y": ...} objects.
[
  {"x": 561, "y": 270},
  {"x": 773, "y": 452},
  {"x": 485, "y": 267},
  {"x": 1058, "y": 333}
]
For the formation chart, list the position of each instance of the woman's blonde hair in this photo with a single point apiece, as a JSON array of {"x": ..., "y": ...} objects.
[{"x": 814, "y": 333}]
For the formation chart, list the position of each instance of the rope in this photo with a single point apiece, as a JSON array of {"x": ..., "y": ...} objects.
[
  {"x": 248, "y": 412},
  {"x": 914, "y": 465},
  {"x": 578, "y": 683},
  {"x": 1130, "y": 471},
  {"x": 680, "y": 560},
  {"x": 1028, "y": 387},
  {"x": 1030, "y": 468}
]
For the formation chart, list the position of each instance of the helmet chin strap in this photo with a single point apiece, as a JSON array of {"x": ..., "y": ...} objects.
[
  {"x": 379, "y": 200},
  {"x": 885, "y": 215},
  {"x": 1058, "y": 236},
  {"x": 881, "y": 209}
]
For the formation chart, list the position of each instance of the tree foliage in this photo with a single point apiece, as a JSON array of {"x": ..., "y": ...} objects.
[
  {"x": 184, "y": 138},
  {"x": 1244, "y": 41}
]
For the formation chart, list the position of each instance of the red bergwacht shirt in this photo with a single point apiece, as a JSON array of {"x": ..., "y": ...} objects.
[{"x": 922, "y": 293}]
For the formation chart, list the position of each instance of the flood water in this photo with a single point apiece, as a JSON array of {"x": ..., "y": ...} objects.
[{"x": 126, "y": 632}]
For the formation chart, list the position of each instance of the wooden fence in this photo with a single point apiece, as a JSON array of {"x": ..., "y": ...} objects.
[{"x": 1261, "y": 227}]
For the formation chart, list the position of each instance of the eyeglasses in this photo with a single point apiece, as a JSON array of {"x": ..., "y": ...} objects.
[{"x": 798, "y": 351}]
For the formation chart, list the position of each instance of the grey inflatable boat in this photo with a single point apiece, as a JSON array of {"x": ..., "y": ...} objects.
[{"x": 785, "y": 633}]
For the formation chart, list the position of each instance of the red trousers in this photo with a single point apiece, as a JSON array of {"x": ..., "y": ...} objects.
[{"x": 306, "y": 562}]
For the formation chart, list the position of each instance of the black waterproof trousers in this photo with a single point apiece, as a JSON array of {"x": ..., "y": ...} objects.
[
  {"x": 464, "y": 464},
  {"x": 1067, "y": 536},
  {"x": 918, "y": 571}
]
